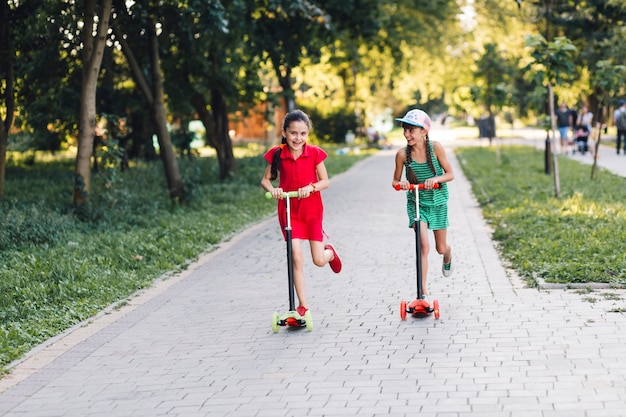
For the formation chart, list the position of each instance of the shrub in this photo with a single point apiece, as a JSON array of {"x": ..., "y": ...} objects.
[
  {"x": 333, "y": 126},
  {"x": 23, "y": 225}
]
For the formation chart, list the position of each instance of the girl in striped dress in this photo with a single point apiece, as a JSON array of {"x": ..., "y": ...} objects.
[{"x": 425, "y": 161}]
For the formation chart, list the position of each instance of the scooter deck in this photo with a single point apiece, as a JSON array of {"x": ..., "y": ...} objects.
[
  {"x": 419, "y": 308},
  {"x": 292, "y": 319}
]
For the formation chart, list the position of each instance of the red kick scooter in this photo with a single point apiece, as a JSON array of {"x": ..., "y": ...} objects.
[
  {"x": 418, "y": 307},
  {"x": 291, "y": 318}
]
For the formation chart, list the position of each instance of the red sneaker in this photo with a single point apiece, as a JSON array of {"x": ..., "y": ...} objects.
[
  {"x": 335, "y": 264},
  {"x": 301, "y": 310}
]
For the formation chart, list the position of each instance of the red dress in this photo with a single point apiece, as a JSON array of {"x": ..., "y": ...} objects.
[{"x": 306, "y": 213}]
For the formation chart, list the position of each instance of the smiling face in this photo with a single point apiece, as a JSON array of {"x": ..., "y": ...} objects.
[
  {"x": 413, "y": 133},
  {"x": 296, "y": 133}
]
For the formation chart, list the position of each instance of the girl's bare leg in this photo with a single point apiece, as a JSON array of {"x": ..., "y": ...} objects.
[
  {"x": 298, "y": 271},
  {"x": 320, "y": 255},
  {"x": 442, "y": 246}
]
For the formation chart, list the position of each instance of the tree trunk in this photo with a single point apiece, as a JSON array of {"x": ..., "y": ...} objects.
[
  {"x": 141, "y": 145},
  {"x": 224, "y": 146},
  {"x": 596, "y": 149},
  {"x": 491, "y": 134},
  {"x": 216, "y": 127},
  {"x": 155, "y": 97},
  {"x": 6, "y": 59},
  {"x": 159, "y": 114},
  {"x": 4, "y": 139},
  {"x": 285, "y": 83},
  {"x": 93, "y": 50},
  {"x": 199, "y": 104},
  {"x": 555, "y": 161}
]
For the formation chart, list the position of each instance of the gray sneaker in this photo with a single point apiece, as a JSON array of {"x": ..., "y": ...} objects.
[{"x": 446, "y": 269}]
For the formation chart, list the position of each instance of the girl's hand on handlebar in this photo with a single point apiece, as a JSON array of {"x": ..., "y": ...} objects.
[
  {"x": 305, "y": 191},
  {"x": 277, "y": 193},
  {"x": 429, "y": 184},
  {"x": 411, "y": 187},
  {"x": 403, "y": 185}
]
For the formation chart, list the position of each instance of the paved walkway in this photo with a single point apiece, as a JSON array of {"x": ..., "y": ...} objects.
[{"x": 200, "y": 344}]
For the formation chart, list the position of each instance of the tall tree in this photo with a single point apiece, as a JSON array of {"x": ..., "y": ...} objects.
[
  {"x": 608, "y": 80},
  {"x": 492, "y": 87},
  {"x": 368, "y": 50},
  {"x": 595, "y": 27},
  {"x": 285, "y": 31},
  {"x": 553, "y": 64},
  {"x": 7, "y": 97},
  {"x": 209, "y": 70},
  {"x": 355, "y": 28},
  {"x": 136, "y": 31},
  {"x": 50, "y": 72},
  {"x": 96, "y": 16}
]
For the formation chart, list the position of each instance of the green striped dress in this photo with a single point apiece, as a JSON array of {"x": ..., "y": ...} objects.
[{"x": 433, "y": 203}]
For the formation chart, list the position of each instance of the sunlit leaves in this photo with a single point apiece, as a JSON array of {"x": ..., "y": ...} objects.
[{"x": 553, "y": 60}]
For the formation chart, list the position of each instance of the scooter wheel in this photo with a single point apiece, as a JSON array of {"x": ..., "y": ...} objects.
[
  {"x": 436, "y": 308},
  {"x": 308, "y": 321},
  {"x": 403, "y": 310},
  {"x": 275, "y": 324}
]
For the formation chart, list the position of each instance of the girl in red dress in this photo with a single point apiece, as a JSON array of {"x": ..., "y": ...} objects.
[{"x": 300, "y": 167}]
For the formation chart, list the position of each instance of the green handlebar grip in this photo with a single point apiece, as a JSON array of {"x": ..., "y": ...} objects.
[{"x": 290, "y": 194}]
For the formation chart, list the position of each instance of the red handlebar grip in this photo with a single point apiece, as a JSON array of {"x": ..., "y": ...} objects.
[{"x": 412, "y": 187}]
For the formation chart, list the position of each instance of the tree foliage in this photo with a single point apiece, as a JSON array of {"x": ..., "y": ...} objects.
[
  {"x": 553, "y": 63},
  {"x": 285, "y": 31},
  {"x": 354, "y": 61}
]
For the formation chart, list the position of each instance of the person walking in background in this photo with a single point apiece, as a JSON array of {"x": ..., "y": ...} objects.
[
  {"x": 585, "y": 118},
  {"x": 425, "y": 161},
  {"x": 573, "y": 117},
  {"x": 619, "y": 120},
  {"x": 300, "y": 167},
  {"x": 583, "y": 129},
  {"x": 564, "y": 123}
]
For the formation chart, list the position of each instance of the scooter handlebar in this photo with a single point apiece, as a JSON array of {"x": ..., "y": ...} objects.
[
  {"x": 412, "y": 186},
  {"x": 289, "y": 194}
]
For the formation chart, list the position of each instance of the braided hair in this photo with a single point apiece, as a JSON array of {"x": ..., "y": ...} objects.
[
  {"x": 411, "y": 177},
  {"x": 292, "y": 116}
]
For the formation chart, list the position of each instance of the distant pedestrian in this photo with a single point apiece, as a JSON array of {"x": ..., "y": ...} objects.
[
  {"x": 425, "y": 161},
  {"x": 585, "y": 118},
  {"x": 300, "y": 167},
  {"x": 564, "y": 123},
  {"x": 584, "y": 127},
  {"x": 619, "y": 119},
  {"x": 573, "y": 118}
]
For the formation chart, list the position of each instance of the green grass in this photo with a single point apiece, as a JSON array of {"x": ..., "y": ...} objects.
[
  {"x": 58, "y": 269},
  {"x": 576, "y": 238}
]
